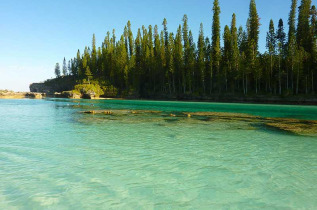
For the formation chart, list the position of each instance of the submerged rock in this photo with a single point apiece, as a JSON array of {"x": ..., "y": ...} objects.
[
  {"x": 233, "y": 120},
  {"x": 301, "y": 127},
  {"x": 90, "y": 112}
]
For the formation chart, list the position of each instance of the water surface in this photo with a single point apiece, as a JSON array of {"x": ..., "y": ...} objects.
[{"x": 52, "y": 156}]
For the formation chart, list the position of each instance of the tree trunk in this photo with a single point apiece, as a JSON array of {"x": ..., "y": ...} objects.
[
  {"x": 246, "y": 84},
  {"x": 287, "y": 87},
  {"x": 297, "y": 81},
  {"x": 306, "y": 81},
  {"x": 279, "y": 75},
  {"x": 312, "y": 82}
]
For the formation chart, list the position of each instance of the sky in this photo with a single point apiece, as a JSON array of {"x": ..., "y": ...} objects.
[{"x": 36, "y": 34}]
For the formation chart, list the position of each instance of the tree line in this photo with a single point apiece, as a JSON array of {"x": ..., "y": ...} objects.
[{"x": 163, "y": 63}]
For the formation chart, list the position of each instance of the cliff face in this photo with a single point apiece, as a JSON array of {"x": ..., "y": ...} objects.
[
  {"x": 65, "y": 83},
  {"x": 40, "y": 88}
]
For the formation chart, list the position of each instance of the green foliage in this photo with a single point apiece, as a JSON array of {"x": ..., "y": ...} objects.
[
  {"x": 216, "y": 51},
  {"x": 158, "y": 63},
  {"x": 89, "y": 88}
]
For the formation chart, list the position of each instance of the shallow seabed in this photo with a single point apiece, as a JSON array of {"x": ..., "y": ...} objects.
[{"x": 158, "y": 156}]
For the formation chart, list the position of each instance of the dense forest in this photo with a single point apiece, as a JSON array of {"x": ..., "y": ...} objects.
[{"x": 161, "y": 63}]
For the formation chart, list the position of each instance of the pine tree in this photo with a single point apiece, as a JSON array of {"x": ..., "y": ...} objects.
[
  {"x": 94, "y": 55},
  {"x": 208, "y": 63},
  {"x": 304, "y": 36},
  {"x": 216, "y": 51},
  {"x": 303, "y": 27},
  {"x": 186, "y": 76},
  {"x": 178, "y": 59},
  {"x": 69, "y": 69},
  {"x": 130, "y": 37},
  {"x": 280, "y": 38},
  {"x": 79, "y": 65},
  {"x": 253, "y": 39},
  {"x": 291, "y": 44},
  {"x": 201, "y": 66},
  {"x": 64, "y": 67},
  {"x": 227, "y": 55},
  {"x": 313, "y": 46},
  {"x": 243, "y": 47},
  {"x": 122, "y": 64},
  {"x": 138, "y": 61},
  {"x": 191, "y": 63},
  {"x": 166, "y": 35},
  {"x": 157, "y": 56},
  {"x": 57, "y": 70},
  {"x": 163, "y": 62},
  {"x": 271, "y": 46},
  {"x": 234, "y": 51},
  {"x": 171, "y": 66}
]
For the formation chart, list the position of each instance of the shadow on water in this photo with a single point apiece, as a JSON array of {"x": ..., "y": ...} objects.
[{"x": 271, "y": 129}]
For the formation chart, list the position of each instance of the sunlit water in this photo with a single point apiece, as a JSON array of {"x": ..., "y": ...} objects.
[{"x": 52, "y": 156}]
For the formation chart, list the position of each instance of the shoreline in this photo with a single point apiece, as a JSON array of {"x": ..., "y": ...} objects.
[
  {"x": 274, "y": 100},
  {"x": 241, "y": 100},
  {"x": 289, "y": 101},
  {"x": 21, "y": 95}
]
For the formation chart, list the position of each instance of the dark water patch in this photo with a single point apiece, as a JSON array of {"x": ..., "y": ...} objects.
[
  {"x": 263, "y": 127},
  {"x": 171, "y": 120}
]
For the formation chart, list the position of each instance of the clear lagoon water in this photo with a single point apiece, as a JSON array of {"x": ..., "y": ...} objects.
[{"x": 52, "y": 156}]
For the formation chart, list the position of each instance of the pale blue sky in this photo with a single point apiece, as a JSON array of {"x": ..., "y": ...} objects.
[{"x": 35, "y": 34}]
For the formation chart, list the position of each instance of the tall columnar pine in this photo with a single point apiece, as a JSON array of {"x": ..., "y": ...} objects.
[
  {"x": 171, "y": 65},
  {"x": 271, "y": 47},
  {"x": 291, "y": 44},
  {"x": 313, "y": 46},
  {"x": 208, "y": 64},
  {"x": 234, "y": 55},
  {"x": 64, "y": 67},
  {"x": 178, "y": 60},
  {"x": 121, "y": 69},
  {"x": 226, "y": 55},
  {"x": 186, "y": 79},
  {"x": 303, "y": 26},
  {"x": 216, "y": 51},
  {"x": 201, "y": 55},
  {"x": 192, "y": 78},
  {"x": 253, "y": 39},
  {"x": 304, "y": 38},
  {"x": 130, "y": 38},
  {"x": 79, "y": 65},
  {"x": 94, "y": 56},
  {"x": 157, "y": 57},
  {"x": 138, "y": 61},
  {"x": 69, "y": 68},
  {"x": 163, "y": 64},
  {"x": 57, "y": 70},
  {"x": 280, "y": 38}
]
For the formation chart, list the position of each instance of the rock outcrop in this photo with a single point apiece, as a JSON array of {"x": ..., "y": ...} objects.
[
  {"x": 19, "y": 95},
  {"x": 90, "y": 95},
  {"x": 40, "y": 88},
  {"x": 35, "y": 95}
]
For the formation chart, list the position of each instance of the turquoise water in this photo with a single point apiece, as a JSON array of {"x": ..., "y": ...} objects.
[{"x": 52, "y": 156}]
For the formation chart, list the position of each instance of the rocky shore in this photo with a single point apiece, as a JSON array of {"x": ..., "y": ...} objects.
[{"x": 7, "y": 94}]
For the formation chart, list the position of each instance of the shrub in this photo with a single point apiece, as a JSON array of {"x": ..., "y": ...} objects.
[{"x": 89, "y": 88}]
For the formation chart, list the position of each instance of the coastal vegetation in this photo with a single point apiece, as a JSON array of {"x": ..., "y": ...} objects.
[{"x": 156, "y": 63}]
